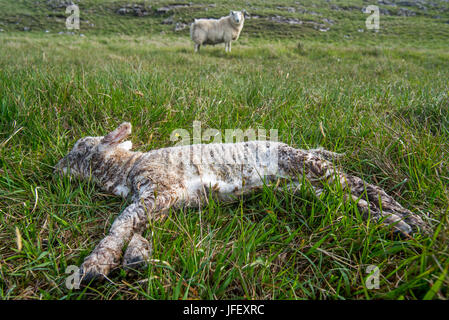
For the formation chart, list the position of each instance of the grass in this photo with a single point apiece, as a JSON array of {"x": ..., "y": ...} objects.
[{"x": 381, "y": 101}]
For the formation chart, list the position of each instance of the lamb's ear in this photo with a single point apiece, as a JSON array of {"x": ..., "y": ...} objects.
[{"x": 116, "y": 136}]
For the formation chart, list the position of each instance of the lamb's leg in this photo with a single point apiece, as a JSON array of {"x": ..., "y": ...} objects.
[
  {"x": 375, "y": 202},
  {"x": 133, "y": 219},
  {"x": 325, "y": 154},
  {"x": 137, "y": 254},
  {"x": 371, "y": 200},
  {"x": 107, "y": 253},
  {"x": 229, "y": 46},
  {"x": 197, "y": 47}
]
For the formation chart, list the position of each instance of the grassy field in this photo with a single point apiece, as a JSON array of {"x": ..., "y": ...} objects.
[{"x": 380, "y": 98}]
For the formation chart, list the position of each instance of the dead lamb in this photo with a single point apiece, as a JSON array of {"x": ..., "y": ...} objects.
[{"x": 185, "y": 176}]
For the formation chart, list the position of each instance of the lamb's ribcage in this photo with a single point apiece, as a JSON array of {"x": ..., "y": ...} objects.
[{"x": 229, "y": 170}]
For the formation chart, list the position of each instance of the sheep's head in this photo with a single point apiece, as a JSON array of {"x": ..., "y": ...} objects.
[
  {"x": 237, "y": 16},
  {"x": 89, "y": 149}
]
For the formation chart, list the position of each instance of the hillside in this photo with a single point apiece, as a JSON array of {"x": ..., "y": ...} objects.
[{"x": 414, "y": 22}]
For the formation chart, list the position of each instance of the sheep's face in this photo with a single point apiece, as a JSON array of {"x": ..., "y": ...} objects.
[
  {"x": 75, "y": 162},
  {"x": 237, "y": 17},
  {"x": 86, "y": 150}
]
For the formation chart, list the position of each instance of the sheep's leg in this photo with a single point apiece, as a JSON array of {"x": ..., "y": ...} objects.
[
  {"x": 106, "y": 254},
  {"x": 229, "y": 46},
  {"x": 132, "y": 221},
  {"x": 137, "y": 254},
  {"x": 325, "y": 154},
  {"x": 371, "y": 200},
  {"x": 375, "y": 203},
  {"x": 197, "y": 47},
  {"x": 139, "y": 249},
  {"x": 226, "y": 46}
]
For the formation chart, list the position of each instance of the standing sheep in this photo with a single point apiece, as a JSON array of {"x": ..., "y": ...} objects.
[{"x": 214, "y": 31}]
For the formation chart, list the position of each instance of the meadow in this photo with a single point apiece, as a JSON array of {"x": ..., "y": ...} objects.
[{"x": 381, "y": 98}]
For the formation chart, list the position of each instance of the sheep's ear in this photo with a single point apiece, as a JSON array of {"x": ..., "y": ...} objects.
[{"x": 116, "y": 136}]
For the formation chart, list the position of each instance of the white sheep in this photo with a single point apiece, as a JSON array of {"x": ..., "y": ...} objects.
[
  {"x": 214, "y": 31},
  {"x": 186, "y": 176}
]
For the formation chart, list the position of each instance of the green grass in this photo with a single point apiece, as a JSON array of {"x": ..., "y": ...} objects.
[{"x": 383, "y": 102}]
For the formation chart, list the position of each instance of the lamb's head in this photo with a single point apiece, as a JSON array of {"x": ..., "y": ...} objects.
[
  {"x": 90, "y": 150},
  {"x": 237, "y": 17}
]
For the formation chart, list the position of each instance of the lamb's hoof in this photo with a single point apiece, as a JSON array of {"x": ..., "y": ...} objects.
[
  {"x": 410, "y": 223},
  {"x": 403, "y": 228},
  {"x": 399, "y": 226},
  {"x": 92, "y": 270},
  {"x": 416, "y": 223},
  {"x": 90, "y": 273},
  {"x": 137, "y": 254}
]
